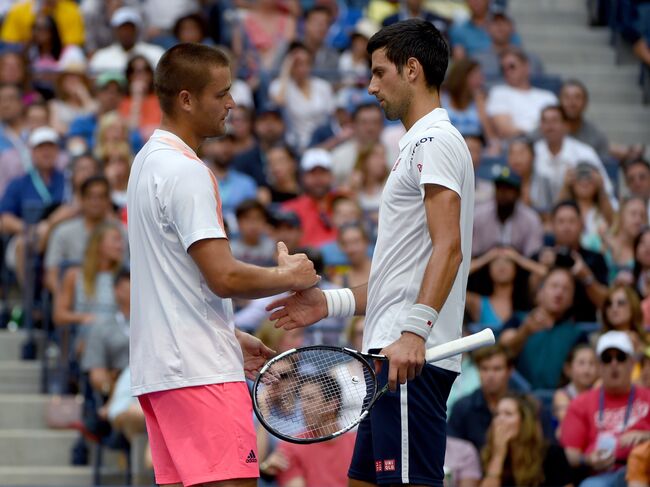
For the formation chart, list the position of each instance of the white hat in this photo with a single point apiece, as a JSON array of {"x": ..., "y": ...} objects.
[
  {"x": 615, "y": 339},
  {"x": 126, "y": 15},
  {"x": 43, "y": 135},
  {"x": 366, "y": 28},
  {"x": 313, "y": 158}
]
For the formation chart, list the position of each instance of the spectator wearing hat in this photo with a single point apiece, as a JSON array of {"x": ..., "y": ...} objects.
[
  {"x": 73, "y": 94},
  {"x": 314, "y": 207},
  {"x": 556, "y": 153},
  {"x": 17, "y": 25},
  {"x": 506, "y": 220},
  {"x": 109, "y": 94},
  {"x": 97, "y": 22},
  {"x": 602, "y": 425},
  {"x": 31, "y": 199},
  {"x": 501, "y": 29},
  {"x": 127, "y": 23},
  {"x": 515, "y": 107}
]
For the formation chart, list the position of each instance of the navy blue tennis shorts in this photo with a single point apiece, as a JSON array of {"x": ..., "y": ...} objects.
[{"x": 403, "y": 439}]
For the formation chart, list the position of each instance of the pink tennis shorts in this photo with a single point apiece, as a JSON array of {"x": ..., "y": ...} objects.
[{"x": 201, "y": 434}]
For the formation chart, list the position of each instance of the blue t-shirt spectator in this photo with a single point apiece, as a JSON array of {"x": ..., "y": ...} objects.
[
  {"x": 25, "y": 193},
  {"x": 235, "y": 188},
  {"x": 474, "y": 38}
]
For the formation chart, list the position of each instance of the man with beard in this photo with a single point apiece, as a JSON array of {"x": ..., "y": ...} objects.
[{"x": 505, "y": 220}]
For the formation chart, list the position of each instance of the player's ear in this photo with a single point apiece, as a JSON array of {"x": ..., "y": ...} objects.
[
  {"x": 413, "y": 69},
  {"x": 184, "y": 99}
]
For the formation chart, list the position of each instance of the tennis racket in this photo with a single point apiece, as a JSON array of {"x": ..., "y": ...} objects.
[{"x": 313, "y": 394}]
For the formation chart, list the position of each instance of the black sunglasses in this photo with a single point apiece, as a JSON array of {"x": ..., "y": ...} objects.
[{"x": 619, "y": 356}]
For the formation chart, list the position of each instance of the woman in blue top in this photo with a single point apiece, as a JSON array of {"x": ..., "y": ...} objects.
[{"x": 500, "y": 286}]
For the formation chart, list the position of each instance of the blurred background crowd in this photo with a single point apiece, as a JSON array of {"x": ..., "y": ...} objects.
[{"x": 561, "y": 246}]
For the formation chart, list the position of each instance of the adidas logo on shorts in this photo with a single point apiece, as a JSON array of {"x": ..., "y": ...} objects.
[{"x": 251, "y": 458}]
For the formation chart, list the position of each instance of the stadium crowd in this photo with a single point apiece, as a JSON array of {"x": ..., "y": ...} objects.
[{"x": 561, "y": 246}]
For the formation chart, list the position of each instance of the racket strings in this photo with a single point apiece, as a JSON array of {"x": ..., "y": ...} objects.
[{"x": 314, "y": 393}]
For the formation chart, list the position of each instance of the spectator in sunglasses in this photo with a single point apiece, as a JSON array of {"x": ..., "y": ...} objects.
[{"x": 602, "y": 425}]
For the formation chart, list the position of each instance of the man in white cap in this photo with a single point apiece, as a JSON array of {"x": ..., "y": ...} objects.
[
  {"x": 127, "y": 25},
  {"x": 603, "y": 424},
  {"x": 30, "y": 199},
  {"x": 314, "y": 207}
]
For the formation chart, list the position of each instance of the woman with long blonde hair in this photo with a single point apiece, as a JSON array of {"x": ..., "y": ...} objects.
[
  {"x": 516, "y": 452},
  {"x": 86, "y": 292}
]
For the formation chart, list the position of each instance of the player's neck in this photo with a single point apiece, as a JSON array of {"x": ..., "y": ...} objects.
[
  {"x": 421, "y": 105},
  {"x": 182, "y": 131}
]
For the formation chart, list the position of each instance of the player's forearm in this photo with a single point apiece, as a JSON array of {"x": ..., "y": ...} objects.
[
  {"x": 241, "y": 280},
  {"x": 360, "y": 299},
  {"x": 440, "y": 274}
]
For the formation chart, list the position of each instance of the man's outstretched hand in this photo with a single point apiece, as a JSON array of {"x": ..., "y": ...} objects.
[
  {"x": 300, "y": 309},
  {"x": 255, "y": 353}
]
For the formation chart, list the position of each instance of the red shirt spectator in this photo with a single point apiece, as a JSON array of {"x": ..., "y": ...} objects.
[
  {"x": 314, "y": 208},
  {"x": 318, "y": 464}
]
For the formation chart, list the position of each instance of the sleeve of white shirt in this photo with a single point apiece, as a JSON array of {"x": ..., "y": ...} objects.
[
  {"x": 193, "y": 208},
  {"x": 436, "y": 161}
]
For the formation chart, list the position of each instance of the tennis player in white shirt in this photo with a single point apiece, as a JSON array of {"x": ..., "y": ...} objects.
[
  {"x": 415, "y": 296},
  {"x": 188, "y": 362}
]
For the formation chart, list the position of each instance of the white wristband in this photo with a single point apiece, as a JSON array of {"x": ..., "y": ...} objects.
[
  {"x": 340, "y": 302},
  {"x": 421, "y": 320}
]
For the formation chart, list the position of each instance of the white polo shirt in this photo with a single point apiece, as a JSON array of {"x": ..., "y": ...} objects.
[
  {"x": 431, "y": 152},
  {"x": 181, "y": 333}
]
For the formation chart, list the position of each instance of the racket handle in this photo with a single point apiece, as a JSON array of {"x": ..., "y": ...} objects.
[{"x": 461, "y": 345}]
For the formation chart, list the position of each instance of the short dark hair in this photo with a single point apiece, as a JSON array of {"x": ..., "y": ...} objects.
[
  {"x": 565, "y": 204},
  {"x": 184, "y": 67},
  {"x": 557, "y": 108},
  {"x": 122, "y": 275},
  {"x": 578, "y": 84},
  {"x": 485, "y": 353},
  {"x": 195, "y": 17},
  {"x": 298, "y": 46},
  {"x": 639, "y": 161},
  {"x": 318, "y": 9},
  {"x": 365, "y": 106},
  {"x": 92, "y": 181},
  {"x": 249, "y": 205},
  {"x": 418, "y": 39}
]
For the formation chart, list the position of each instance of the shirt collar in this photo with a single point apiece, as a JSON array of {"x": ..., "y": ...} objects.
[
  {"x": 165, "y": 134},
  {"x": 430, "y": 119}
]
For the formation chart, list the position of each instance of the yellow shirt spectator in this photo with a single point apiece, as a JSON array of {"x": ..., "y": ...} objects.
[{"x": 18, "y": 23}]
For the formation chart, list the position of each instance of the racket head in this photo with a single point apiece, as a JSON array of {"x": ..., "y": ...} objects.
[{"x": 312, "y": 394}]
